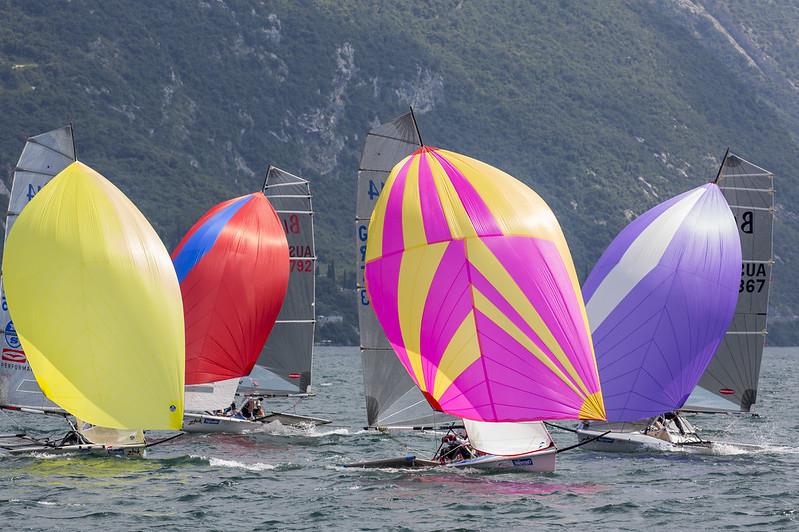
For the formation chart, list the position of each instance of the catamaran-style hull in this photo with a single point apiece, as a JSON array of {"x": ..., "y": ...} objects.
[
  {"x": 631, "y": 442},
  {"x": 203, "y": 423}
]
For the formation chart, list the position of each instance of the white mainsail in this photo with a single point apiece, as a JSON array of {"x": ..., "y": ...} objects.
[
  {"x": 392, "y": 398},
  {"x": 42, "y": 158},
  {"x": 729, "y": 383},
  {"x": 284, "y": 366}
]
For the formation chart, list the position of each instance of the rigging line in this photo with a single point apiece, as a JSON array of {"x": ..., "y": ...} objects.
[
  {"x": 548, "y": 424},
  {"x": 580, "y": 444}
]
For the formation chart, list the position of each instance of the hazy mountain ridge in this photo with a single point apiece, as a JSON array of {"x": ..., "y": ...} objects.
[{"x": 605, "y": 109}]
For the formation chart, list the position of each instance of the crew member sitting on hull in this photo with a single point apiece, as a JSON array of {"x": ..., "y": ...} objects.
[
  {"x": 259, "y": 411},
  {"x": 454, "y": 448},
  {"x": 247, "y": 408}
]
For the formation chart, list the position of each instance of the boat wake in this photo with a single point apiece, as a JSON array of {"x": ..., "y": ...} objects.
[
  {"x": 276, "y": 428},
  {"x": 235, "y": 464}
]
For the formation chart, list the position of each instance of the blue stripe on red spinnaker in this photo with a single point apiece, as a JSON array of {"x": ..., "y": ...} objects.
[{"x": 203, "y": 239}]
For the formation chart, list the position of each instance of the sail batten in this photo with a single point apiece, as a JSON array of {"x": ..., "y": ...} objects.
[
  {"x": 43, "y": 157},
  {"x": 392, "y": 398},
  {"x": 286, "y": 361},
  {"x": 730, "y": 382}
]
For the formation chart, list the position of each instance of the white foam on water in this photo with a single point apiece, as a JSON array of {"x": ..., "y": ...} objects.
[
  {"x": 276, "y": 428},
  {"x": 221, "y": 462},
  {"x": 51, "y": 456},
  {"x": 43, "y": 503}
]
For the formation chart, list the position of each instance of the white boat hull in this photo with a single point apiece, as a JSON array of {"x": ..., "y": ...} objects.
[
  {"x": 204, "y": 423},
  {"x": 541, "y": 461},
  {"x": 631, "y": 442},
  {"x": 21, "y": 444}
]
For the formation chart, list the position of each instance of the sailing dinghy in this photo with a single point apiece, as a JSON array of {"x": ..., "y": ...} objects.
[
  {"x": 659, "y": 302},
  {"x": 451, "y": 245},
  {"x": 95, "y": 306},
  {"x": 284, "y": 366},
  {"x": 233, "y": 270}
]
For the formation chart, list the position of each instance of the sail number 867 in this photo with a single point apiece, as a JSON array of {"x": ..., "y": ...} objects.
[{"x": 751, "y": 285}]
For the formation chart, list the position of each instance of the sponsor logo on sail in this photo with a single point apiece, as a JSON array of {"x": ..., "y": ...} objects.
[
  {"x": 727, "y": 391},
  {"x": 11, "y": 336},
  {"x": 14, "y": 355}
]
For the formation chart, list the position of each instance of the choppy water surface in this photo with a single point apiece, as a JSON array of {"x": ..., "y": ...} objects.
[{"x": 286, "y": 478}]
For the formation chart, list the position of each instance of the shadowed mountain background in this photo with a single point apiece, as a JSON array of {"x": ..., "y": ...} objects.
[{"x": 604, "y": 108}]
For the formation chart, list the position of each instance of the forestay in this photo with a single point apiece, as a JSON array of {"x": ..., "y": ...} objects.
[
  {"x": 730, "y": 381},
  {"x": 233, "y": 271},
  {"x": 96, "y": 304},
  {"x": 473, "y": 283},
  {"x": 43, "y": 157},
  {"x": 507, "y": 439},
  {"x": 288, "y": 353},
  {"x": 392, "y": 398},
  {"x": 659, "y": 301}
]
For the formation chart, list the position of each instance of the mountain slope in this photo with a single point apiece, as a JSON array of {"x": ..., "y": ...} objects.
[{"x": 604, "y": 108}]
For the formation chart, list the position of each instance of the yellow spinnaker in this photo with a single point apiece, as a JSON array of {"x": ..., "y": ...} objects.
[{"x": 96, "y": 304}]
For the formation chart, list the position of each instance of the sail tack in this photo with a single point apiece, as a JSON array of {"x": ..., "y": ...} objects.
[
  {"x": 659, "y": 300},
  {"x": 288, "y": 353},
  {"x": 730, "y": 381},
  {"x": 43, "y": 157},
  {"x": 233, "y": 271},
  {"x": 96, "y": 304},
  {"x": 471, "y": 278},
  {"x": 392, "y": 398}
]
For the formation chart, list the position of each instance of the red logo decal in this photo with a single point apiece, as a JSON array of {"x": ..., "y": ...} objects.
[
  {"x": 727, "y": 391},
  {"x": 294, "y": 375},
  {"x": 14, "y": 355}
]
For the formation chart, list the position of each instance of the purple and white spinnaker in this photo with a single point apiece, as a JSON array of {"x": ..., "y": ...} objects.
[{"x": 659, "y": 301}]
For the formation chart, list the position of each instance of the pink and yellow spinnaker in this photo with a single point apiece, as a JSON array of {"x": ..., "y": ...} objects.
[{"x": 471, "y": 278}]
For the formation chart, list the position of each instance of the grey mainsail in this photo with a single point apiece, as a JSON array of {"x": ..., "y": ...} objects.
[
  {"x": 730, "y": 382},
  {"x": 287, "y": 355},
  {"x": 392, "y": 398},
  {"x": 42, "y": 158}
]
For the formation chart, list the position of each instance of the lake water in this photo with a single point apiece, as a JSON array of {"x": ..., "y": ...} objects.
[{"x": 292, "y": 479}]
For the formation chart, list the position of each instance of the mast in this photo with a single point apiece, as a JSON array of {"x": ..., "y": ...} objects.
[
  {"x": 721, "y": 168},
  {"x": 416, "y": 126}
]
